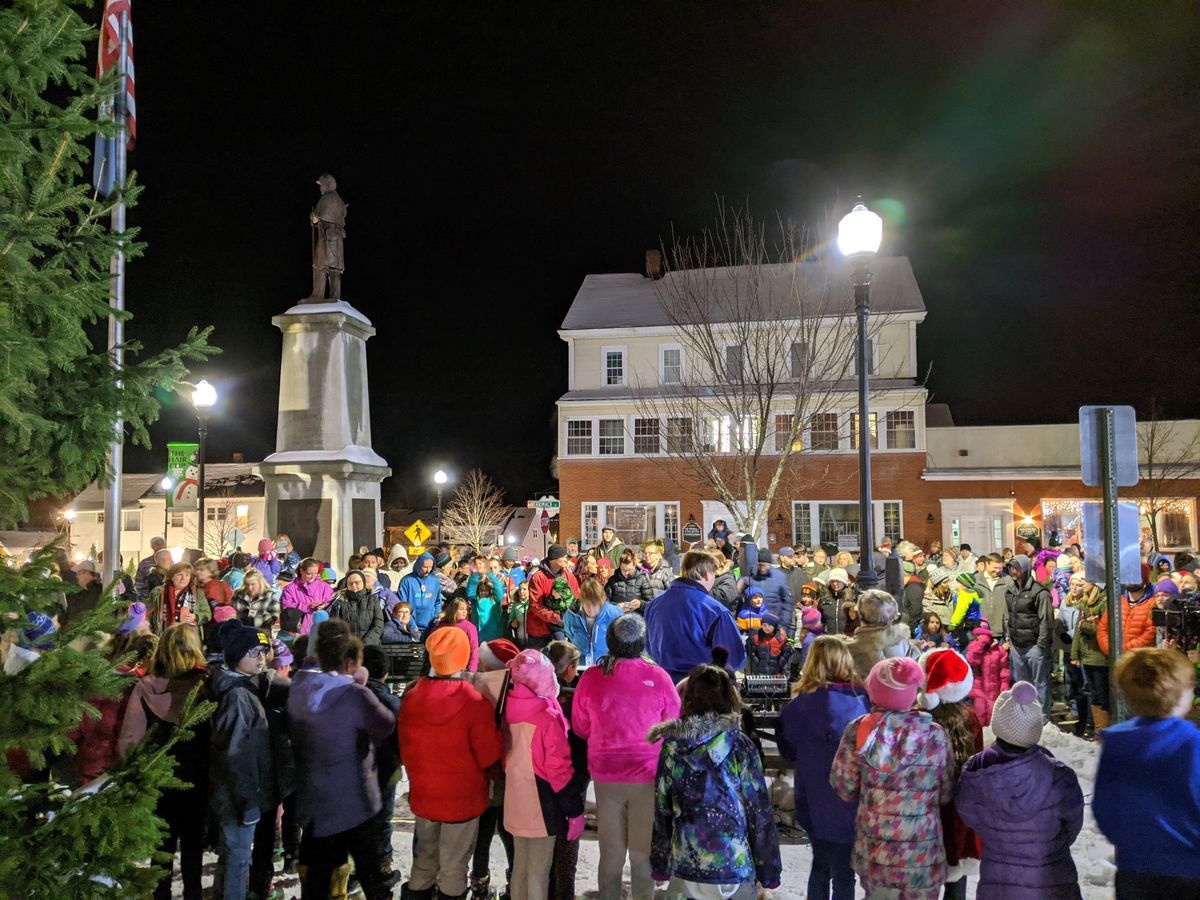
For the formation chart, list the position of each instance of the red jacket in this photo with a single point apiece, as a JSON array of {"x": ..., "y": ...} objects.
[
  {"x": 448, "y": 740},
  {"x": 96, "y": 738},
  {"x": 540, "y": 621},
  {"x": 218, "y": 592}
]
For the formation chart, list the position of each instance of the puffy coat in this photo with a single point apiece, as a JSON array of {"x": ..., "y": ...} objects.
[
  {"x": 422, "y": 592},
  {"x": 749, "y": 618},
  {"x": 871, "y": 643},
  {"x": 448, "y": 741},
  {"x": 713, "y": 819},
  {"x": 725, "y": 592},
  {"x": 269, "y": 569},
  {"x": 540, "y": 620},
  {"x": 832, "y": 605},
  {"x": 913, "y": 601},
  {"x": 96, "y": 738},
  {"x": 767, "y": 654},
  {"x": 217, "y": 592},
  {"x": 395, "y": 633},
  {"x": 660, "y": 577},
  {"x": 1030, "y": 611},
  {"x": 989, "y": 664},
  {"x": 684, "y": 624},
  {"x": 307, "y": 598},
  {"x": 1028, "y": 809},
  {"x": 1137, "y": 626},
  {"x": 472, "y": 634},
  {"x": 241, "y": 777},
  {"x": 900, "y": 769},
  {"x": 614, "y": 712},
  {"x": 593, "y": 642},
  {"x": 622, "y": 588},
  {"x": 1086, "y": 645},
  {"x": 810, "y": 728},
  {"x": 336, "y": 723},
  {"x": 487, "y": 612},
  {"x": 362, "y": 612},
  {"x": 777, "y": 595},
  {"x": 993, "y": 602},
  {"x": 539, "y": 792}
]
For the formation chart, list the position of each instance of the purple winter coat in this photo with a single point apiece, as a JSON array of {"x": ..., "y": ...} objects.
[
  {"x": 1027, "y": 809},
  {"x": 336, "y": 724},
  {"x": 810, "y": 729}
]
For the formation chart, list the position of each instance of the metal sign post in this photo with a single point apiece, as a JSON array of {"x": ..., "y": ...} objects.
[{"x": 1106, "y": 428}]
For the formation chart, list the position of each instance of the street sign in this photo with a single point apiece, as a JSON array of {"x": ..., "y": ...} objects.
[
  {"x": 414, "y": 552},
  {"x": 1094, "y": 540},
  {"x": 545, "y": 523},
  {"x": 847, "y": 542},
  {"x": 692, "y": 533},
  {"x": 236, "y": 539},
  {"x": 1125, "y": 450},
  {"x": 547, "y": 502},
  {"x": 418, "y": 532}
]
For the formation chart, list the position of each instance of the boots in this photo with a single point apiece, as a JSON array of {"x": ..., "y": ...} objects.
[
  {"x": 481, "y": 888},
  {"x": 1100, "y": 718}
]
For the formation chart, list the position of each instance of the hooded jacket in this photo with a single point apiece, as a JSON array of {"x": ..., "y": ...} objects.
[
  {"x": 362, "y": 612},
  {"x": 1027, "y": 809},
  {"x": 1030, "y": 611},
  {"x": 684, "y": 623},
  {"x": 307, "y": 598},
  {"x": 1086, "y": 645},
  {"x": 336, "y": 723},
  {"x": 989, "y": 664},
  {"x": 157, "y": 702},
  {"x": 614, "y": 712},
  {"x": 241, "y": 778},
  {"x": 540, "y": 794},
  {"x": 777, "y": 595},
  {"x": 871, "y": 643},
  {"x": 592, "y": 642},
  {"x": 422, "y": 592},
  {"x": 540, "y": 620},
  {"x": 810, "y": 728},
  {"x": 1147, "y": 796},
  {"x": 725, "y": 591},
  {"x": 713, "y": 819},
  {"x": 900, "y": 769},
  {"x": 448, "y": 741},
  {"x": 622, "y": 588},
  {"x": 487, "y": 612}
]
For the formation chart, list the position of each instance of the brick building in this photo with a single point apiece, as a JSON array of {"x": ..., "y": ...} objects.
[{"x": 930, "y": 479}]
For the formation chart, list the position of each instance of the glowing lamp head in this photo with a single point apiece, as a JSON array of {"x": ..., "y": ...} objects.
[
  {"x": 860, "y": 232},
  {"x": 440, "y": 477},
  {"x": 167, "y": 483},
  {"x": 69, "y": 515},
  {"x": 204, "y": 396}
]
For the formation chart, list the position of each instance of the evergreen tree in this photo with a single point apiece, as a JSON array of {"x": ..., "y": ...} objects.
[{"x": 59, "y": 400}]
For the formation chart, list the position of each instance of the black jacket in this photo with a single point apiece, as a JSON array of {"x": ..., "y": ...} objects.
[
  {"x": 387, "y": 754},
  {"x": 833, "y": 610},
  {"x": 621, "y": 589},
  {"x": 913, "y": 605},
  {"x": 1030, "y": 611},
  {"x": 725, "y": 591},
  {"x": 362, "y": 612},
  {"x": 241, "y": 780}
]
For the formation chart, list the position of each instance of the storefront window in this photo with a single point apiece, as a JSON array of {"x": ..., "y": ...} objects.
[
  {"x": 819, "y": 522},
  {"x": 634, "y": 523},
  {"x": 1174, "y": 521}
]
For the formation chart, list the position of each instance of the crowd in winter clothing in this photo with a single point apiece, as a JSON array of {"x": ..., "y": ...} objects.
[{"x": 605, "y": 667}]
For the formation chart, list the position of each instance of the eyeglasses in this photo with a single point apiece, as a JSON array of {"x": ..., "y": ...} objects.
[{"x": 258, "y": 651}]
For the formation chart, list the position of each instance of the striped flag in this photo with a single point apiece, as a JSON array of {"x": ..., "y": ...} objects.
[{"x": 116, "y": 51}]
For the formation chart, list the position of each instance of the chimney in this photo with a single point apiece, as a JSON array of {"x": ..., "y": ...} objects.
[
  {"x": 239, "y": 456},
  {"x": 654, "y": 264}
]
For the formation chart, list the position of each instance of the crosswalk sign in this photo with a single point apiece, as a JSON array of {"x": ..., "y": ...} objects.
[{"x": 417, "y": 533}]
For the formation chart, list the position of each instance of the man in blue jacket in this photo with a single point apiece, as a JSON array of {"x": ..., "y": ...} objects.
[
  {"x": 422, "y": 590},
  {"x": 684, "y": 622},
  {"x": 777, "y": 595}
]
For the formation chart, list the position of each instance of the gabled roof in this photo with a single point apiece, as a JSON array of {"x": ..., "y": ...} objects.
[
  {"x": 630, "y": 300},
  {"x": 220, "y": 479}
]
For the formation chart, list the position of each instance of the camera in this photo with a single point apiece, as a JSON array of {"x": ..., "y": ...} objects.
[{"x": 1181, "y": 619}]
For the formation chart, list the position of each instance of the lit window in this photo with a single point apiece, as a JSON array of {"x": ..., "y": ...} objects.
[
  {"x": 785, "y": 431},
  {"x": 612, "y": 437},
  {"x": 672, "y": 365},
  {"x": 243, "y": 516},
  {"x": 823, "y": 431},
  {"x": 891, "y": 521},
  {"x": 901, "y": 430},
  {"x": 614, "y": 367},
  {"x": 591, "y": 524},
  {"x": 802, "y": 525},
  {"x": 131, "y": 520},
  {"x": 645, "y": 436},
  {"x": 579, "y": 437},
  {"x": 872, "y": 425}
]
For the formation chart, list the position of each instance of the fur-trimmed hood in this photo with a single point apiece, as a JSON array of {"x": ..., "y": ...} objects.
[
  {"x": 708, "y": 735},
  {"x": 872, "y": 643}
]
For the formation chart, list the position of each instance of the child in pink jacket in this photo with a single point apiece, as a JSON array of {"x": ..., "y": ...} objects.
[
  {"x": 616, "y": 703},
  {"x": 989, "y": 665}
]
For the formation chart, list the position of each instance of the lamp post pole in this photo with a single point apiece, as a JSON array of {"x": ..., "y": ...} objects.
[
  {"x": 439, "y": 479},
  {"x": 166, "y": 484},
  {"x": 859, "y": 235},
  {"x": 204, "y": 397}
]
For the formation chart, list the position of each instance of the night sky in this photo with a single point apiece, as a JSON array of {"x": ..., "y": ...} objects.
[{"x": 1038, "y": 162}]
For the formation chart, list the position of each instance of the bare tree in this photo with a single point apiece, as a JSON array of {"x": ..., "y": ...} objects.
[
  {"x": 1171, "y": 451},
  {"x": 221, "y": 500},
  {"x": 475, "y": 513},
  {"x": 768, "y": 345}
]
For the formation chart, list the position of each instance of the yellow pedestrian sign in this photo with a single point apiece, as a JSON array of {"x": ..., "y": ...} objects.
[{"x": 418, "y": 533}]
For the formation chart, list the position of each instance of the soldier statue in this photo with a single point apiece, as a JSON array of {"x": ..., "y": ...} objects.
[{"x": 328, "y": 220}]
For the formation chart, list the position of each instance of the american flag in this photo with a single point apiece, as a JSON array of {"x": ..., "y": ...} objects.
[{"x": 124, "y": 106}]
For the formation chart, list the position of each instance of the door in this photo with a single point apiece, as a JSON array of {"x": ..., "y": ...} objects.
[
  {"x": 977, "y": 531},
  {"x": 714, "y": 509}
]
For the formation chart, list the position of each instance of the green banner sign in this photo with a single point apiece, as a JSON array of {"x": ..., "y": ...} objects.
[{"x": 184, "y": 472}]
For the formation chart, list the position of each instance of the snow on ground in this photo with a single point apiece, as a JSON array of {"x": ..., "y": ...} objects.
[{"x": 1093, "y": 853}]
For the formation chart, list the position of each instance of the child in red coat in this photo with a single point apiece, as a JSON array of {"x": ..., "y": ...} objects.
[{"x": 989, "y": 665}]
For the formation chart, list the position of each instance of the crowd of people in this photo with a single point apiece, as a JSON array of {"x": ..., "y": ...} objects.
[{"x": 618, "y": 667}]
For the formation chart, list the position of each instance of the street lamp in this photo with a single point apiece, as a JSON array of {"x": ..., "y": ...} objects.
[
  {"x": 204, "y": 398},
  {"x": 166, "y": 484},
  {"x": 68, "y": 517},
  {"x": 859, "y": 235},
  {"x": 439, "y": 478}
]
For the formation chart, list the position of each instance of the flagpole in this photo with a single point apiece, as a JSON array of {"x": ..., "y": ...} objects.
[{"x": 116, "y": 326}]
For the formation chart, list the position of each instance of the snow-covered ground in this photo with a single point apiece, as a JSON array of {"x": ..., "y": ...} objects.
[{"x": 1093, "y": 854}]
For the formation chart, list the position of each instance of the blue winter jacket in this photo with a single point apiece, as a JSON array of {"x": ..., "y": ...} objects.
[
  {"x": 1147, "y": 796},
  {"x": 594, "y": 644},
  {"x": 487, "y": 613},
  {"x": 684, "y": 623},
  {"x": 777, "y": 594},
  {"x": 422, "y": 593},
  {"x": 810, "y": 729}
]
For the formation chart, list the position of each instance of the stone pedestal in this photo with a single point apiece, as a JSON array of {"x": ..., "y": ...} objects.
[{"x": 322, "y": 481}]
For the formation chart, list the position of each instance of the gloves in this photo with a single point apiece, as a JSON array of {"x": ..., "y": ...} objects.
[{"x": 575, "y": 827}]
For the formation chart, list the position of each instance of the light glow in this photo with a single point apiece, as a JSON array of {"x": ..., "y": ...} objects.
[
  {"x": 204, "y": 396},
  {"x": 860, "y": 232},
  {"x": 440, "y": 477}
]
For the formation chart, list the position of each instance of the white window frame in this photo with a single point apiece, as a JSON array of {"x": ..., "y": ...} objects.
[
  {"x": 125, "y": 514},
  {"x": 660, "y": 523},
  {"x": 725, "y": 360},
  {"x": 622, "y": 432},
  {"x": 810, "y": 444},
  {"x": 814, "y": 511},
  {"x": 567, "y": 436},
  {"x": 807, "y": 360},
  {"x": 624, "y": 351},
  {"x": 662, "y": 363},
  {"x": 885, "y": 437},
  {"x": 633, "y": 435}
]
